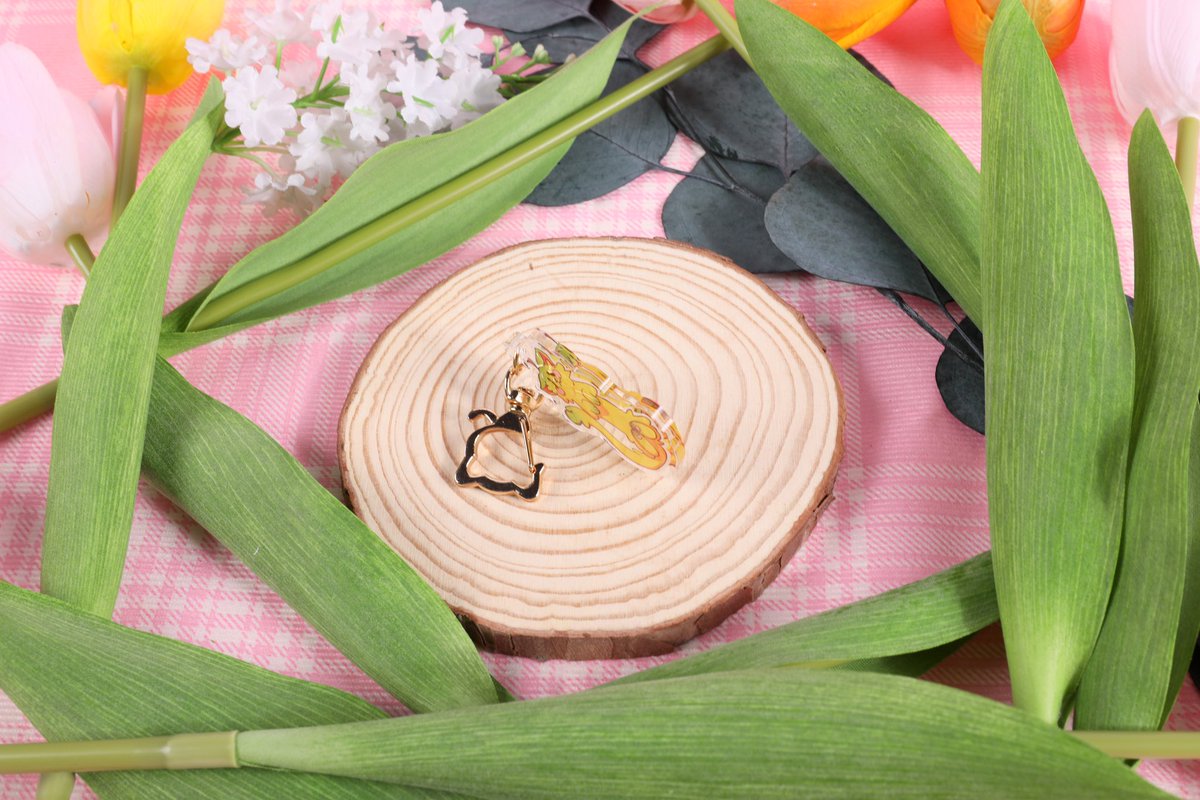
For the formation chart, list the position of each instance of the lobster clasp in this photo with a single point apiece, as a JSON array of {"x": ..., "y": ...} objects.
[{"x": 522, "y": 401}]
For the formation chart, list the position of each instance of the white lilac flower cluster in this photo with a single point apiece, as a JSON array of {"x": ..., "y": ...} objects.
[{"x": 310, "y": 126}]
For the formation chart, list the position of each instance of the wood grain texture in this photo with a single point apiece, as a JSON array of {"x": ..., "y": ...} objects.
[{"x": 611, "y": 561}]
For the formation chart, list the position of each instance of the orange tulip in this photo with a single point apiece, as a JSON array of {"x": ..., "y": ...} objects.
[
  {"x": 1057, "y": 22},
  {"x": 848, "y": 22}
]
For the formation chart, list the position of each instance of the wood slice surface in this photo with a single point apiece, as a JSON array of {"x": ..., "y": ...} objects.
[{"x": 611, "y": 560}]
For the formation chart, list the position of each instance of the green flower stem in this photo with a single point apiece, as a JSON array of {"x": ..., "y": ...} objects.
[
  {"x": 219, "y": 751},
  {"x": 184, "y": 751},
  {"x": 719, "y": 15},
  {"x": 40, "y": 400},
  {"x": 55, "y": 786},
  {"x": 1186, "y": 140},
  {"x": 1144, "y": 744},
  {"x": 28, "y": 406},
  {"x": 227, "y": 305},
  {"x": 81, "y": 253},
  {"x": 131, "y": 140}
]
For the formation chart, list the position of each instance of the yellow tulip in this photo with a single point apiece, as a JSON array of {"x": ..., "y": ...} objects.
[{"x": 119, "y": 36}]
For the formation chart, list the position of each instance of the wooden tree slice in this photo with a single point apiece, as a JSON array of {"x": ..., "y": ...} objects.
[{"x": 611, "y": 561}]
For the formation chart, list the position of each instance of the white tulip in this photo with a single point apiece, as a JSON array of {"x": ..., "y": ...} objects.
[
  {"x": 56, "y": 163},
  {"x": 1155, "y": 59}
]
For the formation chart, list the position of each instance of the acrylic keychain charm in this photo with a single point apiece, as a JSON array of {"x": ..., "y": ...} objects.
[{"x": 544, "y": 370}]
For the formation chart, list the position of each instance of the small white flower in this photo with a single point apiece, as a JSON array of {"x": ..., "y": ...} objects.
[
  {"x": 223, "y": 52},
  {"x": 400, "y": 130},
  {"x": 299, "y": 74},
  {"x": 476, "y": 90},
  {"x": 325, "y": 147},
  {"x": 258, "y": 103},
  {"x": 281, "y": 26},
  {"x": 369, "y": 112},
  {"x": 277, "y": 193},
  {"x": 353, "y": 37},
  {"x": 428, "y": 99},
  {"x": 446, "y": 37},
  {"x": 322, "y": 18}
]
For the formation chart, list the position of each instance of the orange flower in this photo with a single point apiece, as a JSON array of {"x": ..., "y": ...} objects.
[
  {"x": 1057, "y": 21},
  {"x": 848, "y": 22}
]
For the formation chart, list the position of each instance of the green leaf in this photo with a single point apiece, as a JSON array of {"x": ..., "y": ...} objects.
[
  {"x": 897, "y": 157},
  {"x": 77, "y": 676},
  {"x": 1059, "y": 378},
  {"x": 1128, "y": 683},
  {"x": 105, "y": 386},
  {"x": 261, "y": 503},
  {"x": 763, "y": 734},
  {"x": 328, "y": 246},
  {"x": 1189, "y": 617},
  {"x": 880, "y": 633}
]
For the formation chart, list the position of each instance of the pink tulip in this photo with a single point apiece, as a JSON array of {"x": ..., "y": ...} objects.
[
  {"x": 667, "y": 12},
  {"x": 56, "y": 162},
  {"x": 1155, "y": 61}
]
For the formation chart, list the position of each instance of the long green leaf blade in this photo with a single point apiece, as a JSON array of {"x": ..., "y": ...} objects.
[
  {"x": 261, "y": 503},
  {"x": 105, "y": 386},
  {"x": 1128, "y": 683},
  {"x": 1189, "y": 617},
  {"x": 892, "y": 632},
  {"x": 898, "y": 158},
  {"x": 762, "y": 734},
  {"x": 1059, "y": 379},
  {"x": 77, "y": 676},
  {"x": 403, "y": 173}
]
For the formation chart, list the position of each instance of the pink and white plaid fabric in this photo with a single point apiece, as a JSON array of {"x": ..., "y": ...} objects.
[{"x": 910, "y": 500}]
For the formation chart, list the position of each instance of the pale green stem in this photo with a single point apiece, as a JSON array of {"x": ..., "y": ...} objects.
[
  {"x": 28, "y": 406},
  {"x": 1144, "y": 744},
  {"x": 40, "y": 400},
  {"x": 320, "y": 76},
  {"x": 219, "y": 751},
  {"x": 55, "y": 786},
  {"x": 184, "y": 751},
  {"x": 719, "y": 15},
  {"x": 1187, "y": 137},
  {"x": 81, "y": 253},
  {"x": 131, "y": 140}
]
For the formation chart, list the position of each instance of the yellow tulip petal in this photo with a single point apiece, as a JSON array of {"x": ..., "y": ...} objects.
[{"x": 119, "y": 35}]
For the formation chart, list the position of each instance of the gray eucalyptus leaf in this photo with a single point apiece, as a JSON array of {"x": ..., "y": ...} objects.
[
  {"x": 575, "y": 36},
  {"x": 522, "y": 15},
  {"x": 724, "y": 106},
  {"x": 613, "y": 153},
  {"x": 959, "y": 380},
  {"x": 720, "y": 207},
  {"x": 821, "y": 223}
]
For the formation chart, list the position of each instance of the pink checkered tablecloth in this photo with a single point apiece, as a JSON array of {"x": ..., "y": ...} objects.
[{"x": 911, "y": 497}]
